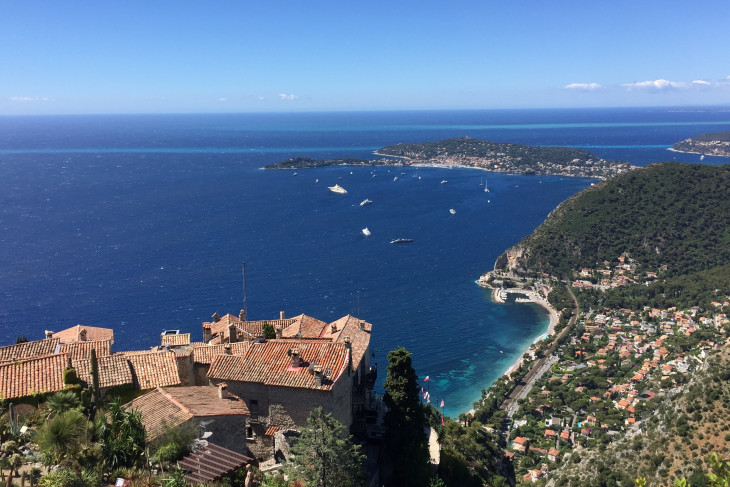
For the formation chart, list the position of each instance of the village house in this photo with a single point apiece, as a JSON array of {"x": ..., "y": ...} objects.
[
  {"x": 222, "y": 416},
  {"x": 309, "y": 364}
]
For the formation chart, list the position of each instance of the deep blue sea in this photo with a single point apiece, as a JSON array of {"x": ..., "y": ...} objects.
[{"x": 141, "y": 223}]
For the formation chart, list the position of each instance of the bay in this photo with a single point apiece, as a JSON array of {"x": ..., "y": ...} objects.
[{"x": 141, "y": 223}]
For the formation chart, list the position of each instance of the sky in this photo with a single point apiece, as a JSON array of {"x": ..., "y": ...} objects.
[{"x": 157, "y": 56}]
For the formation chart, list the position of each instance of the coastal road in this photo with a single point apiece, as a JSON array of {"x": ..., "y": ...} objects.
[{"x": 540, "y": 366}]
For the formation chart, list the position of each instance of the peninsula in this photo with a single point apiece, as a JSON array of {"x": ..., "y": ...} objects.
[
  {"x": 712, "y": 144},
  {"x": 480, "y": 154}
]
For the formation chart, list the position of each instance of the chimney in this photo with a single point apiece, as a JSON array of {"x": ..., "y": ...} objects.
[
  {"x": 49, "y": 334},
  {"x": 362, "y": 326},
  {"x": 296, "y": 360},
  {"x": 348, "y": 347},
  {"x": 216, "y": 318},
  {"x": 242, "y": 315},
  {"x": 278, "y": 330},
  {"x": 232, "y": 334},
  {"x": 282, "y": 316},
  {"x": 82, "y": 334},
  {"x": 334, "y": 328},
  {"x": 207, "y": 333},
  {"x": 227, "y": 349},
  {"x": 222, "y": 391},
  {"x": 318, "y": 375}
]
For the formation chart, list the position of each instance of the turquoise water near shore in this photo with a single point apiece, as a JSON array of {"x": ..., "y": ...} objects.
[{"x": 140, "y": 223}]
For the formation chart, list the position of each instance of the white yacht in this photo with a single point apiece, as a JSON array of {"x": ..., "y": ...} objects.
[
  {"x": 452, "y": 211},
  {"x": 366, "y": 232},
  {"x": 365, "y": 202},
  {"x": 337, "y": 189}
]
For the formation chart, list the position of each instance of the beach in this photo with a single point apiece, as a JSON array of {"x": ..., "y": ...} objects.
[{"x": 499, "y": 295}]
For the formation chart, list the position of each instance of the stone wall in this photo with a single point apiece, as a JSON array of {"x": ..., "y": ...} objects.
[
  {"x": 288, "y": 408},
  {"x": 228, "y": 431}
]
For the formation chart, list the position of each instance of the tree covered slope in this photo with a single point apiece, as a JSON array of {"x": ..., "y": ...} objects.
[{"x": 670, "y": 214}]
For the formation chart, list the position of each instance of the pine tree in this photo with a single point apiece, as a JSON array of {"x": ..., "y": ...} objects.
[
  {"x": 405, "y": 422},
  {"x": 325, "y": 455}
]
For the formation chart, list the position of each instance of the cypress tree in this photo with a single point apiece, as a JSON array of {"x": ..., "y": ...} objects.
[
  {"x": 405, "y": 422},
  {"x": 94, "y": 371}
]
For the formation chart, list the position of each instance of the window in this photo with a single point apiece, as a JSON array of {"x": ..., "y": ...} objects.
[{"x": 254, "y": 406}]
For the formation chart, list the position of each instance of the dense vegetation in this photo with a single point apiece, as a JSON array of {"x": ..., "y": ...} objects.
[{"x": 670, "y": 214}]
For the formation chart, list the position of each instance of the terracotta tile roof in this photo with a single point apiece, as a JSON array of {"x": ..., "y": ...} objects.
[
  {"x": 114, "y": 370},
  {"x": 255, "y": 328},
  {"x": 82, "y": 350},
  {"x": 29, "y": 349},
  {"x": 210, "y": 463},
  {"x": 272, "y": 430},
  {"x": 175, "y": 339},
  {"x": 308, "y": 326},
  {"x": 167, "y": 407},
  {"x": 357, "y": 330},
  {"x": 205, "y": 354},
  {"x": 81, "y": 333},
  {"x": 269, "y": 363},
  {"x": 153, "y": 368},
  {"x": 32, "y": 375},
  {"x": 219, "y": 329}
]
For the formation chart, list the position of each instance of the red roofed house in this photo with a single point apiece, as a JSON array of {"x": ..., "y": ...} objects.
[
  {"x": 28, "y": 376},
  {"x": 81, "y": 333},
  {"x": 519, "y": 444},
  {"x": 30, "y": 349},
  {"x": 282, "y": 381},
  {"x": 222, "y": 415},
  {"x": 153, "y": 368}
]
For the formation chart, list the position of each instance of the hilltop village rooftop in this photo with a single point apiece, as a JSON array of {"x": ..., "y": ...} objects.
[{"x": 256, "y": 389}]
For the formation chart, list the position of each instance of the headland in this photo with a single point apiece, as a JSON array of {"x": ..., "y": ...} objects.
[{"x": 480, "y": 154}]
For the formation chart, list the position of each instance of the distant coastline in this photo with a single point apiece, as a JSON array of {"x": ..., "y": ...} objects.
[
  {"x": 478, "y": 154},
  {"x": 710, "y": 144}
]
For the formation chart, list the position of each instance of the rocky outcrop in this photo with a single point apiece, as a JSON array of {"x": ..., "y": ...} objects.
[{"x": 511, "y": 260}]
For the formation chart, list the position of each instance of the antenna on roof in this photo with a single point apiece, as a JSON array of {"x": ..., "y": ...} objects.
[{"x": 245, "y": 305}]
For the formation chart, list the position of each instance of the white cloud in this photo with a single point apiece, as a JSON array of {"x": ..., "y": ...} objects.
[
  {"x": 222, "y": 99},
  {"x": 24, "y": 99},
  {"x": 657, "y": 85},
  {"x": 584, "y": 86},
  {"x": 284, "y": 96},
  {"x": 701, "y": 82}
]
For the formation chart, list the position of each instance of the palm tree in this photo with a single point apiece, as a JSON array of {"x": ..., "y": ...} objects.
[
  {"x": 62, "y": 436},
  {"x": 62, "y": 401}
]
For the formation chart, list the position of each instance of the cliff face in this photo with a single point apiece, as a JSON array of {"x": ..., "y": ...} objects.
[{"x": 511, "y": 260}]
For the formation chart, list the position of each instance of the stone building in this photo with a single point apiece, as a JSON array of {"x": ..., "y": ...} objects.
[
  {"x": 221, "y": 416},
  {"x": 283, "y": 380}
]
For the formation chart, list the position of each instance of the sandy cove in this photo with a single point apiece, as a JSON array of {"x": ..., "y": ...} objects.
[{"x": 499, "y": 295}]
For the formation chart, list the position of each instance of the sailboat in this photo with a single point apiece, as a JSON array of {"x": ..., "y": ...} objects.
[
  {"x": 486, "y": 189},
  {"x": 481, "y": 182}
]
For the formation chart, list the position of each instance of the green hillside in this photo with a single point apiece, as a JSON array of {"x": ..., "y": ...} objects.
[{"x": 665, "y": 214}]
